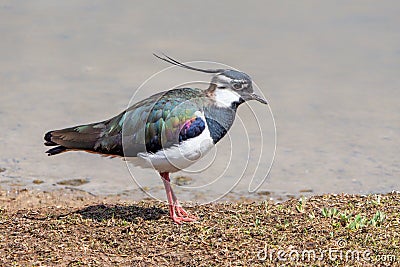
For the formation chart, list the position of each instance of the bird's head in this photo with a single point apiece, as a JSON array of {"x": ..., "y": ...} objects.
[
  {"x": 237, "y": 83},
  {"x": 229, "y": 86}
]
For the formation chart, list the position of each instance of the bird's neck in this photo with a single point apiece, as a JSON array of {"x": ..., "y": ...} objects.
[{"x": 221, "y": 111}]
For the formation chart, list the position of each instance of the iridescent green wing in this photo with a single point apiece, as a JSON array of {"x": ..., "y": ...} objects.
[
  {"x": 158, "y": 122},
  {"x": 173, "y": 119}
]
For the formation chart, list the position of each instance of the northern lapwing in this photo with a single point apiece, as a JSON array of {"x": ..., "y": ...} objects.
[{"x": 168, "y": 131}]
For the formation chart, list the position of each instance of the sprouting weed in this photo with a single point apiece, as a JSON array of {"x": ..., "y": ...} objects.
[
  {"x": 357, "y": 223},
  {"x": 330, "y": 213},
  {"x": 377, "y": 202},
  {"x": 352, "y": 222},
  {"x": 378, "y": 218},
  {"x": 301, "y": 204}
]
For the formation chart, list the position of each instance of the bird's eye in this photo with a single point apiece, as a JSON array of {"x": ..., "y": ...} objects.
[{"x": 237, "y": 86}]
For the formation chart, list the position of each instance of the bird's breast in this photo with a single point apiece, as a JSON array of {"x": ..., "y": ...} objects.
[
  {"x": 219, "y": 121},
  {"x": 182, "y": 155}
]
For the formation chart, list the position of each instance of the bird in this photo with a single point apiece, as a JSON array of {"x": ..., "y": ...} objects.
[{"x": 167, "y": 131}]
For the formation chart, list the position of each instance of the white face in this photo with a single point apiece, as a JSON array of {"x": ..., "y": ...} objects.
[
  {"x": 234, "y": 86},
  {"x": 225, "y": 97}
]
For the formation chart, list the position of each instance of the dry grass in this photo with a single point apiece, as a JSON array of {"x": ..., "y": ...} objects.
[{"x": 77, "y": 229}]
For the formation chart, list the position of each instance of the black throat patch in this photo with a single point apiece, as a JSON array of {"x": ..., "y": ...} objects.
[{"x": 219, "y": 120}]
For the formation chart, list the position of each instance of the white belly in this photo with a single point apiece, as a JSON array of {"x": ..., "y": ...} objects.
[{"x": 177, "y": 157}]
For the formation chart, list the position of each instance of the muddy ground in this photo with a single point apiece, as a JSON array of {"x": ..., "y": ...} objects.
[{"x": 73, "y": 228}]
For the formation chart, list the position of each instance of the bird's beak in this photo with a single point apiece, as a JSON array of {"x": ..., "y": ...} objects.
[{"x": 258, "y": 98}]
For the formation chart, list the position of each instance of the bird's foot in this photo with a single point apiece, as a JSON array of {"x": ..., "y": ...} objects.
[{"x": 180, "y": 215}]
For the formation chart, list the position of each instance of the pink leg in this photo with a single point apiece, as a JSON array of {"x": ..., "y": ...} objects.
[{"x": 176, "y": 212}]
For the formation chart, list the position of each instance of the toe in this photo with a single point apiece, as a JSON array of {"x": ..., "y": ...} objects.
[{"x": 177, "y": 219}]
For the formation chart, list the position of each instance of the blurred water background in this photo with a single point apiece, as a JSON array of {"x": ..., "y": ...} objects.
[{"x": 330, "y": 71}]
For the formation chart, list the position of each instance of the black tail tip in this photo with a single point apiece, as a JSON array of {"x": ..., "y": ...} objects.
[
  {"x": 47, "y": 137},
  {"x": 56, "y": 150}
]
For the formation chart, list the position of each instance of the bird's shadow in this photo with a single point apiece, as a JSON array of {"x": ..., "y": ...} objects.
[{"x": 131, "y": 213}]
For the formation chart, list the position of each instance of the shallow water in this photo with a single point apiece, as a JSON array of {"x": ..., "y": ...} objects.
[{"x": 330, "y": 72}]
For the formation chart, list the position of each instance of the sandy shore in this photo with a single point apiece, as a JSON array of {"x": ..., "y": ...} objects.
[{"x": 74, "y": 228}]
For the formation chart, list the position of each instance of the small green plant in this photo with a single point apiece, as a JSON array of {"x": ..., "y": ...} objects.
[
  {"x": 330, "y": 213},
  {"x": 335, "y": 212},
  {"x": 266, "y": 206},
  {"x": 324, "y": 212},
  {"x": 376, "y": 202},
  {"x": 378, "y": 219},
  {"x": 360, "y": 221},
  {"x": 124, "y": 223},
  {"x": 352, "y": 222},
  {"x": 286, "y": 223},
  {"x": 357, "y": 223},
  {"x": 301, "y": 204},
  {"x": 344, "y": 218},
  {"x": 331, "y": 234}
]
